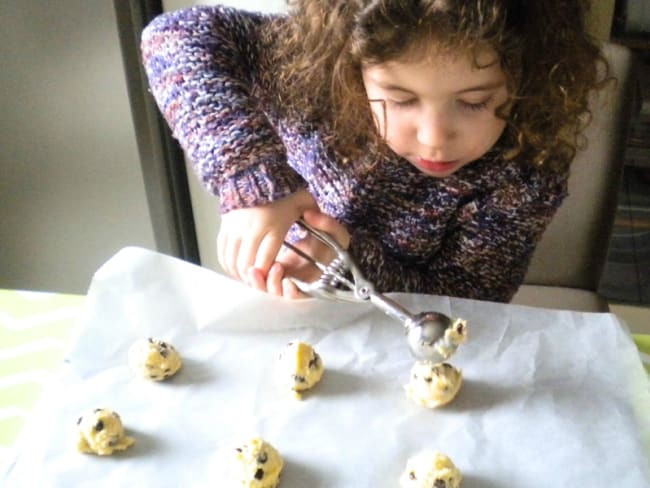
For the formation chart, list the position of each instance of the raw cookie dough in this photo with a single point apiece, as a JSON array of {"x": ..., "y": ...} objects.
[
  {"x": 101, "y": 432},
  {"x": 454, "y": 337},
  {"x": 433, "y": 384},
  {"x": 430, "y": 470},
  {"x": 252, "y": 464},
  {"x": 154, "y": 359},
  {"x": 300, "y": 366}
]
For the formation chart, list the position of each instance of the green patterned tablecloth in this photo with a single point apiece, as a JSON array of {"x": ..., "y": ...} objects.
[
  {"x": 643, "y": 343},
  {"x": 35, "y": 329}
]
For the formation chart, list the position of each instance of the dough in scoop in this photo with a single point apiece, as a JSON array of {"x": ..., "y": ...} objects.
[{"x": 454, "y": 337}]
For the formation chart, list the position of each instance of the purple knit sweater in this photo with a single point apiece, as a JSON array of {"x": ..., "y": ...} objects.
[{"x": 470, "y": 235}]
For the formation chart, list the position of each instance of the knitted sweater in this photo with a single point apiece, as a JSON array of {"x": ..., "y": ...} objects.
[{"x": 471, "y": 234}]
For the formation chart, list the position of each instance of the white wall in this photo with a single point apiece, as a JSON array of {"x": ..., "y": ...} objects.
[
  {"x": 71, "y": 189},
  {"x": 254, "y": 5},
  {"x": 599, "y": 20}
]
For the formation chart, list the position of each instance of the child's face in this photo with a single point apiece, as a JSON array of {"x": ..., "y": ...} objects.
[{"x": 439, "y": 110}]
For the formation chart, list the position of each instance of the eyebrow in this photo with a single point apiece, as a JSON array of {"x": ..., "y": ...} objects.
[
  {"x": 482, "y": 87},
  {"x": 391, "y": 87}
]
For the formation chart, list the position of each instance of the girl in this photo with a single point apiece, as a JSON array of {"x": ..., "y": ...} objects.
[{"x": 431, "y": 138}]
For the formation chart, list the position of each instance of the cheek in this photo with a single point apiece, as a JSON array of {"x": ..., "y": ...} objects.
[
  {"x": 498, "y": 126},
  {"x": 398, "y": 134},
  {"x": 379, "y": 117},
  {"x": 399, "y": 126},
  {"x": 486, "y": 131}
]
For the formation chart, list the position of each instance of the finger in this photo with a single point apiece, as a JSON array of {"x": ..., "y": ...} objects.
[
  {"x": 274, "y": 279},
  {"x": 231, "y": 252},
  {"x": 246, "y": 256},
  {"x": 267, "y": 251},
  {"x": 257, "y": 279},
  {"x": 290, "y": 290},
  {"x": 329, "y": 224}
]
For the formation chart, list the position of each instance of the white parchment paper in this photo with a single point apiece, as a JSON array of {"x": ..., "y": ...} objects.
[{"x": 550, "y": 398}]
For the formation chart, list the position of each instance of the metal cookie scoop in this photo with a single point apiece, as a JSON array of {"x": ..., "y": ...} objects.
[{"x": 431, "y": 336}]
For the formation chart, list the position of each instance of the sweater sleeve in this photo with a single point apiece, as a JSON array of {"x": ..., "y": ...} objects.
[
  {"x": 484, "y": 255},
  {"x": 202, "y": 64}
]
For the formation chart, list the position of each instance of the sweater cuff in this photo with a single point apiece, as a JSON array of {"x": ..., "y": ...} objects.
[{"x": 257, "y": 186}]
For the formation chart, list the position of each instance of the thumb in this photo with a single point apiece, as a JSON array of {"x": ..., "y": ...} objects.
[{"x": 326, "y": 223}]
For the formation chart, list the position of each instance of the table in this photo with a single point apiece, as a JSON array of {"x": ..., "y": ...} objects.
[
  {"x": 123, "y": 291},
  {"x": 35, "y": 329}
]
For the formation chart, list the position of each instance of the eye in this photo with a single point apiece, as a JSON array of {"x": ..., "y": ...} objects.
[
  {"x": 404, "y": 103},
  {"x": 474, "y": 107}
]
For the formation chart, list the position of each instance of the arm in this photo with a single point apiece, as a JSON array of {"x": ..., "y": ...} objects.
[
  {"x": 202, "y": 65},
  {"x": 485, "y": 253}
]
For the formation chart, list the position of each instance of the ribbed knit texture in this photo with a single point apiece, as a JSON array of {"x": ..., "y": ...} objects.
[{"x": 470, "y": 235}]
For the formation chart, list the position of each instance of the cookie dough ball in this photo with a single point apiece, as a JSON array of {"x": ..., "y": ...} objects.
[
  {"x": 433, "y": 384},
  {"x": 101, "y": 432},
  {"x": 300, "y": 366},
  {"x": 454, "y": 337},
  {"x": 252, "y": 464},
  {"x": 430, "y": 470},
  {"x": 154, "y": 359}
]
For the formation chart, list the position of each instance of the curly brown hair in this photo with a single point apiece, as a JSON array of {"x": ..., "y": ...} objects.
[{"x": 550, "y": 62}]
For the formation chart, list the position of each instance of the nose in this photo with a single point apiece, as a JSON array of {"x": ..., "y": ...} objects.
[{"x": 435, "y": 129}]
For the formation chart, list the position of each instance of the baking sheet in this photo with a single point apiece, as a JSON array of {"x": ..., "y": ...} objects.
[{"x": 550, "y": 398}]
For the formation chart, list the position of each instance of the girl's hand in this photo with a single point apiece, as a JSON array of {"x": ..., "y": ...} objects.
[
  {"x": 251, "y": 237},
  {"x": 289, "y": 264}
]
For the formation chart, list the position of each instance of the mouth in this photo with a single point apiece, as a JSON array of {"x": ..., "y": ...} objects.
[{"x": 436, "y": 166}]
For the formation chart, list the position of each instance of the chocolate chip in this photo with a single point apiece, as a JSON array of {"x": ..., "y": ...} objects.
[
  {"x": 428, "y": 380},
  {"x": 79, "y": 420},
  {"x": 298, "y": 379},
  {"x": 262, "y": 458},
  {"x": 238, "y": 449},
  {"x": 150, "y": 340},
  {"x": 259, "y": 474},
  {"x": 313, "y": 363},
  {"x": 412, "y": 475},
  {"x": 99, "y": 425},
  {"x": 439, "y": 483},
  {"x": 164, "y": 353}
]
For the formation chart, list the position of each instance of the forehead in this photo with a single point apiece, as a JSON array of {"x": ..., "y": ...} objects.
[{"x": 444, "y": 69}]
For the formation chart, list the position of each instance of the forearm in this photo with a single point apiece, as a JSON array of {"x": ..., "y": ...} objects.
[{"x": 201, "y": 64}]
